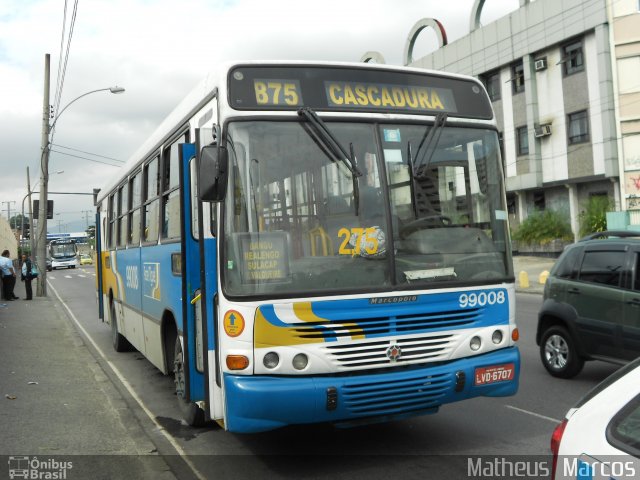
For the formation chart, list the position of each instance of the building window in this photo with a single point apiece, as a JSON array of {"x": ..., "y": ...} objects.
[
  {"x": 492, "y": 82},
  {"x": 573, "y": 58},
  {"x": 517, "y": 77},
  {"x": 578, "y": 127},
  {"x": 511, "y": 203},
  {"x": 539, "y": 202},
  {"x": 523, "y": 140}
]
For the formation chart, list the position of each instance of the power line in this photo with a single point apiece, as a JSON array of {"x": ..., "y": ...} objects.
[
  {"x": 85, "y": 158},
  {"x": 66, "y": 59},
  {"x": 88, "y": 153},
  {"x": 56, "y": 101}
]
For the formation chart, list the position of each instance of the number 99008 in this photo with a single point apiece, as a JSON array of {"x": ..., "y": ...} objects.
[{"x": 480, "y": 299}]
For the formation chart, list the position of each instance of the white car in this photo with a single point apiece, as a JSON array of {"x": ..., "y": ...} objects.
[{"x": 600, "y": 437}]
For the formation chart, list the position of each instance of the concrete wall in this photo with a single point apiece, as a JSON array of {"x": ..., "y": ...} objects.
[{"x": 8, "y": 239}]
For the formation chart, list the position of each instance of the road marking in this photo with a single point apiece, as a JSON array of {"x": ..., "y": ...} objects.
[
  {"x": 67, "y": 276},
  {"x": 534, "y": 414},
  {"x": 82, "y": 276},
  {"x": 129, "y": 388}
]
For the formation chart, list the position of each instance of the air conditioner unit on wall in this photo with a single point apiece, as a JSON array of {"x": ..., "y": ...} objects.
[
  {"x": 543, "y": 130},
  {"x": 540, "y": 64}
]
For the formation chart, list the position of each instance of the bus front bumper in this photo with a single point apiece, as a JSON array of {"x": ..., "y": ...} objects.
[{"x": 260, "y": 403}]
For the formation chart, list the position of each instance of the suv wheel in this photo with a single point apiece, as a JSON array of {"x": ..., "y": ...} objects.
[{"x": 558, "y": 353}]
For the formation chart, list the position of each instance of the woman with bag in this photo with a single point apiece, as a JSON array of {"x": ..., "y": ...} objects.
[{"x": 29, "y": 272}]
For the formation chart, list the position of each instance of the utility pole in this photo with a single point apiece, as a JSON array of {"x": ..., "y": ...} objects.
[
  {"x": 31, "y": 226},
  {"x": 9, "y": 211},
  {"x": 41, "y": 257},
  {"x": 86, "y": 216}
]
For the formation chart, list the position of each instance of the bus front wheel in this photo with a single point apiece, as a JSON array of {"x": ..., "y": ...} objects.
[{"x": 191, "y": 413}]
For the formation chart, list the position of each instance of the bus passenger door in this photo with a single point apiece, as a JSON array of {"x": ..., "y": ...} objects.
[
  {"x": 207, "y": 225},
  {"x": 192, "y": 329}
]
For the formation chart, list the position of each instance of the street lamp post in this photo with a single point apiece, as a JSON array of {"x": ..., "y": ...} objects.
[{"x": 44, "y": 173}]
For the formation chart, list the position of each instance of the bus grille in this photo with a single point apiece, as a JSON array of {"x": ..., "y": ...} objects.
[
  {"x": 397, "y": 396},
  {"x": 376, "y": 353},
  {"x": 393, "y": 325}
]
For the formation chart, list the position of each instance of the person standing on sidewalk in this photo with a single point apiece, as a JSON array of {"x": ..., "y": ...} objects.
[
  {"x": 27, "y": 275},
  {"x": 8, "y": 276}
]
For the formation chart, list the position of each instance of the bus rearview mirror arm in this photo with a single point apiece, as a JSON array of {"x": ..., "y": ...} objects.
[{"x": 213, "y": 173}]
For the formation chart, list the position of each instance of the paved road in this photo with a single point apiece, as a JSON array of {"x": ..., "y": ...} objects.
[{"x": 519, "y": 425}]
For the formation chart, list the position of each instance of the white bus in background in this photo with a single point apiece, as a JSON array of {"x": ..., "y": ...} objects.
[{"x": 63, "y": 253}]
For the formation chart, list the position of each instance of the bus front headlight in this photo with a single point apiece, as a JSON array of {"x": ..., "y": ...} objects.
[
  {"x": 300, "y": 361},
  {"x": 271, "y": 360}
]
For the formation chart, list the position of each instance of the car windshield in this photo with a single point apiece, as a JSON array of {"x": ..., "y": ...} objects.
[{"x": 421, "y": 215}]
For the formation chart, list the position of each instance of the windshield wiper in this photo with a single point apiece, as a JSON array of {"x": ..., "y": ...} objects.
[
  {"x": 330, "y": 142},
  {"x": 429, "y": 143}
]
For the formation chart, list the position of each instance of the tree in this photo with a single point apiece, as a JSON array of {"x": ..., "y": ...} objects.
[
  {"x": 16, "y": 222},
  {"x": 91, "y": 234}
]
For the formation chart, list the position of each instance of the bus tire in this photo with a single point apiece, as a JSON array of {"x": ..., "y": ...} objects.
[
  {"x": 120, "y": 344},
  {"x": 192, "y": 414}
]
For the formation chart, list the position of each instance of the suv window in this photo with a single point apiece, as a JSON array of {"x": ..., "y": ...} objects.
[
  {"x": 603, "y": 267},
  {"x": 636, "y": 270},
  {"x": 565, "y": 265}
]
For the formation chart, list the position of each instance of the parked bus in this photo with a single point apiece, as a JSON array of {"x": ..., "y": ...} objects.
[
  {"x": 302, "y": 243},
  {"x": 63, "y": 253}
]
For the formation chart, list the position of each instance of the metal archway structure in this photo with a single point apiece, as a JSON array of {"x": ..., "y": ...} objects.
[
  {"x": 476, "y": 12},
  {"x": 372, "y": 56},
  {"x": 415, "y": 31}
]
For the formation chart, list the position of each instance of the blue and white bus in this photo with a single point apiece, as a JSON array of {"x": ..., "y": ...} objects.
[
  {"x": 63, "y": 253},
  {"x": 315, "y": 242}
]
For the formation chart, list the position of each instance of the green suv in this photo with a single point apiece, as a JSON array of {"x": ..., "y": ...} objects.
[{"x": 591, "y": 308}]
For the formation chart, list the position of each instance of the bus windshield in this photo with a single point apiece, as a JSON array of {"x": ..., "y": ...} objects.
[
  {"x": 428, "y": 210},
  {"x": 63, "y": 250}
]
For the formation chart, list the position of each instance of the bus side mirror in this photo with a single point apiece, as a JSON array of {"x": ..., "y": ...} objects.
[{"x": 213, "y": 173}]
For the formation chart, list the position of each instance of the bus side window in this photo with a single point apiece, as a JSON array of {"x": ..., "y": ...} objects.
[
  {"x": 171, "y": 220},
  {"x": 150, "y": 213},
  {"x": 134, "y": 215},
  {"x": 123, "y": 210},
  {"x": 111, "y": 215}
]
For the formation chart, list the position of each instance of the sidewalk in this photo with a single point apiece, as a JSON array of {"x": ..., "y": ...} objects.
[
  {"x": 533, "y": 267},
  {"x": 57, "y": 400}
]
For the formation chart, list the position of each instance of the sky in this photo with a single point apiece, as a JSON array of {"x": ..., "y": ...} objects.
[{"x": 158, "y": 50}]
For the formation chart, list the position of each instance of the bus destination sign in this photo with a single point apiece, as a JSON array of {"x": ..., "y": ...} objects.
[
  {"x": 397, "y": 97},
  {"x": 264, "y": 257},
  {"x": 355, "y": 89}
]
